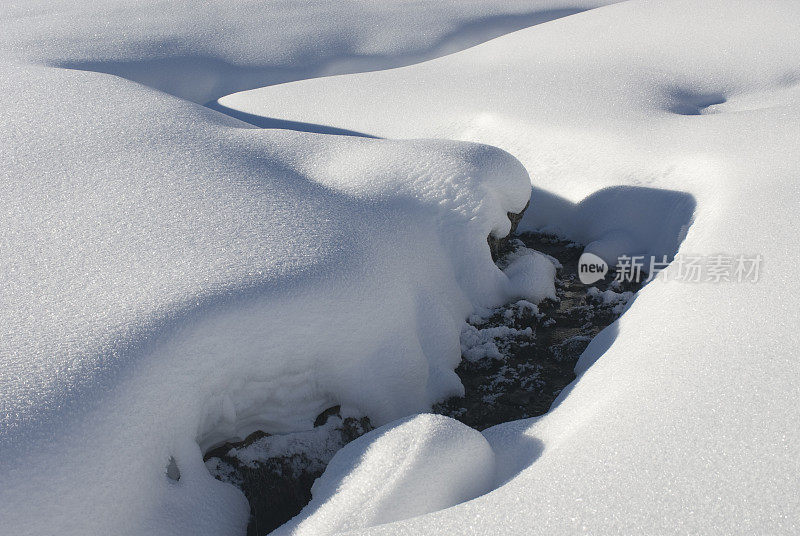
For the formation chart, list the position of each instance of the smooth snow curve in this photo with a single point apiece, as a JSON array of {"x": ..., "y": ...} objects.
[
  {"x": 185, "y": 282},
  {"x": 411, "y": 467}
]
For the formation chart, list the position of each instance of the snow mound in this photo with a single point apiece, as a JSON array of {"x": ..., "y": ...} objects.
[
  {"x": 173, "y": 284},
  {"x": 531, "y": 275},
  {"x": 411, "y": 467}
]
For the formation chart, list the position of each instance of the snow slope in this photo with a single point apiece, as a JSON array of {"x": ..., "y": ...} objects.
[
  {"x": 173, "y": 278},
  {"x": 202, "y": 52},
  {"x": 684, "y": 418}
]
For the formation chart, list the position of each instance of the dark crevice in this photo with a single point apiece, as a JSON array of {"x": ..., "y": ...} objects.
[
  {"x": 543, "y": 345},
  {"x": 276, "y": 476},
  {"x": 538, "y": 360}
]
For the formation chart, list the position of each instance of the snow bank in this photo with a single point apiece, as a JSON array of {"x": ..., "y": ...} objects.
[
  {"x": 172, "y": 280},
  {"x": 411, "y": 467},
  {"x": 644, "y": 124}
]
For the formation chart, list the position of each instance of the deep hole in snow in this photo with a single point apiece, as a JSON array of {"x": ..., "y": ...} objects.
[{"x": 516, "y": 359}]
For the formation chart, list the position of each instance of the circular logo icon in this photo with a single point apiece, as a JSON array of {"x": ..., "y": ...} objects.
[{"x": 591, "y": 268}]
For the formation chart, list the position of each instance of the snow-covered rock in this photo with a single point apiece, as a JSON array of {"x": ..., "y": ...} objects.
[{"x": 531, "y": 275}]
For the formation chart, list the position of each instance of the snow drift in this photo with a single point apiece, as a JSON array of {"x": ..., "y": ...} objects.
[
  {"x": 172, "y": 285},
  {"x": 174, "y": 278},
  {"x": 413, "y": 466}
]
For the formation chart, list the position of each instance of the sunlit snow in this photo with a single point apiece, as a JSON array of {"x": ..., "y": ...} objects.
[{"x": 175, "y": 276}]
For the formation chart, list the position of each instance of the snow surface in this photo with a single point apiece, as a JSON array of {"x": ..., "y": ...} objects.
[
  {"x": 410, "y": 467},
  {"x": 531, "y": 275},
  {"x": 638, "y": 122},
  {"x": 173, "y": 279},
  {"x": 201, "y": 53}
]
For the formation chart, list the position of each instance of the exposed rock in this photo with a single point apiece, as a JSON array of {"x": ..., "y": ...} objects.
[{"x": 499, "y": 246}]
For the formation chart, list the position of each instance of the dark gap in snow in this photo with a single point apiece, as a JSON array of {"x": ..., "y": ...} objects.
[
  {"x": 276, "y": 472},
  {"x": 538, "y": 346}
]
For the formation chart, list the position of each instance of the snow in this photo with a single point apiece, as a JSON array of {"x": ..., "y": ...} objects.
[
  {"x": 617, "y": 300},
  {"x": 531, "y": 275},
  {"x": 173, "y": 278},
  {"x": 319, "y": 445},
  {"x": 251, "y": 288},
  {"x": 492, "y": 342},
  {"x": 411, "y": 467},
  {"x": 203, "y": 53},
  {"x": 290, "y": 455},
  {"x": 647, "y": 128}
]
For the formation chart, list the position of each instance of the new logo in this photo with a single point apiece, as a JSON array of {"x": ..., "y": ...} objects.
[{"x": 591, "y": 268}]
